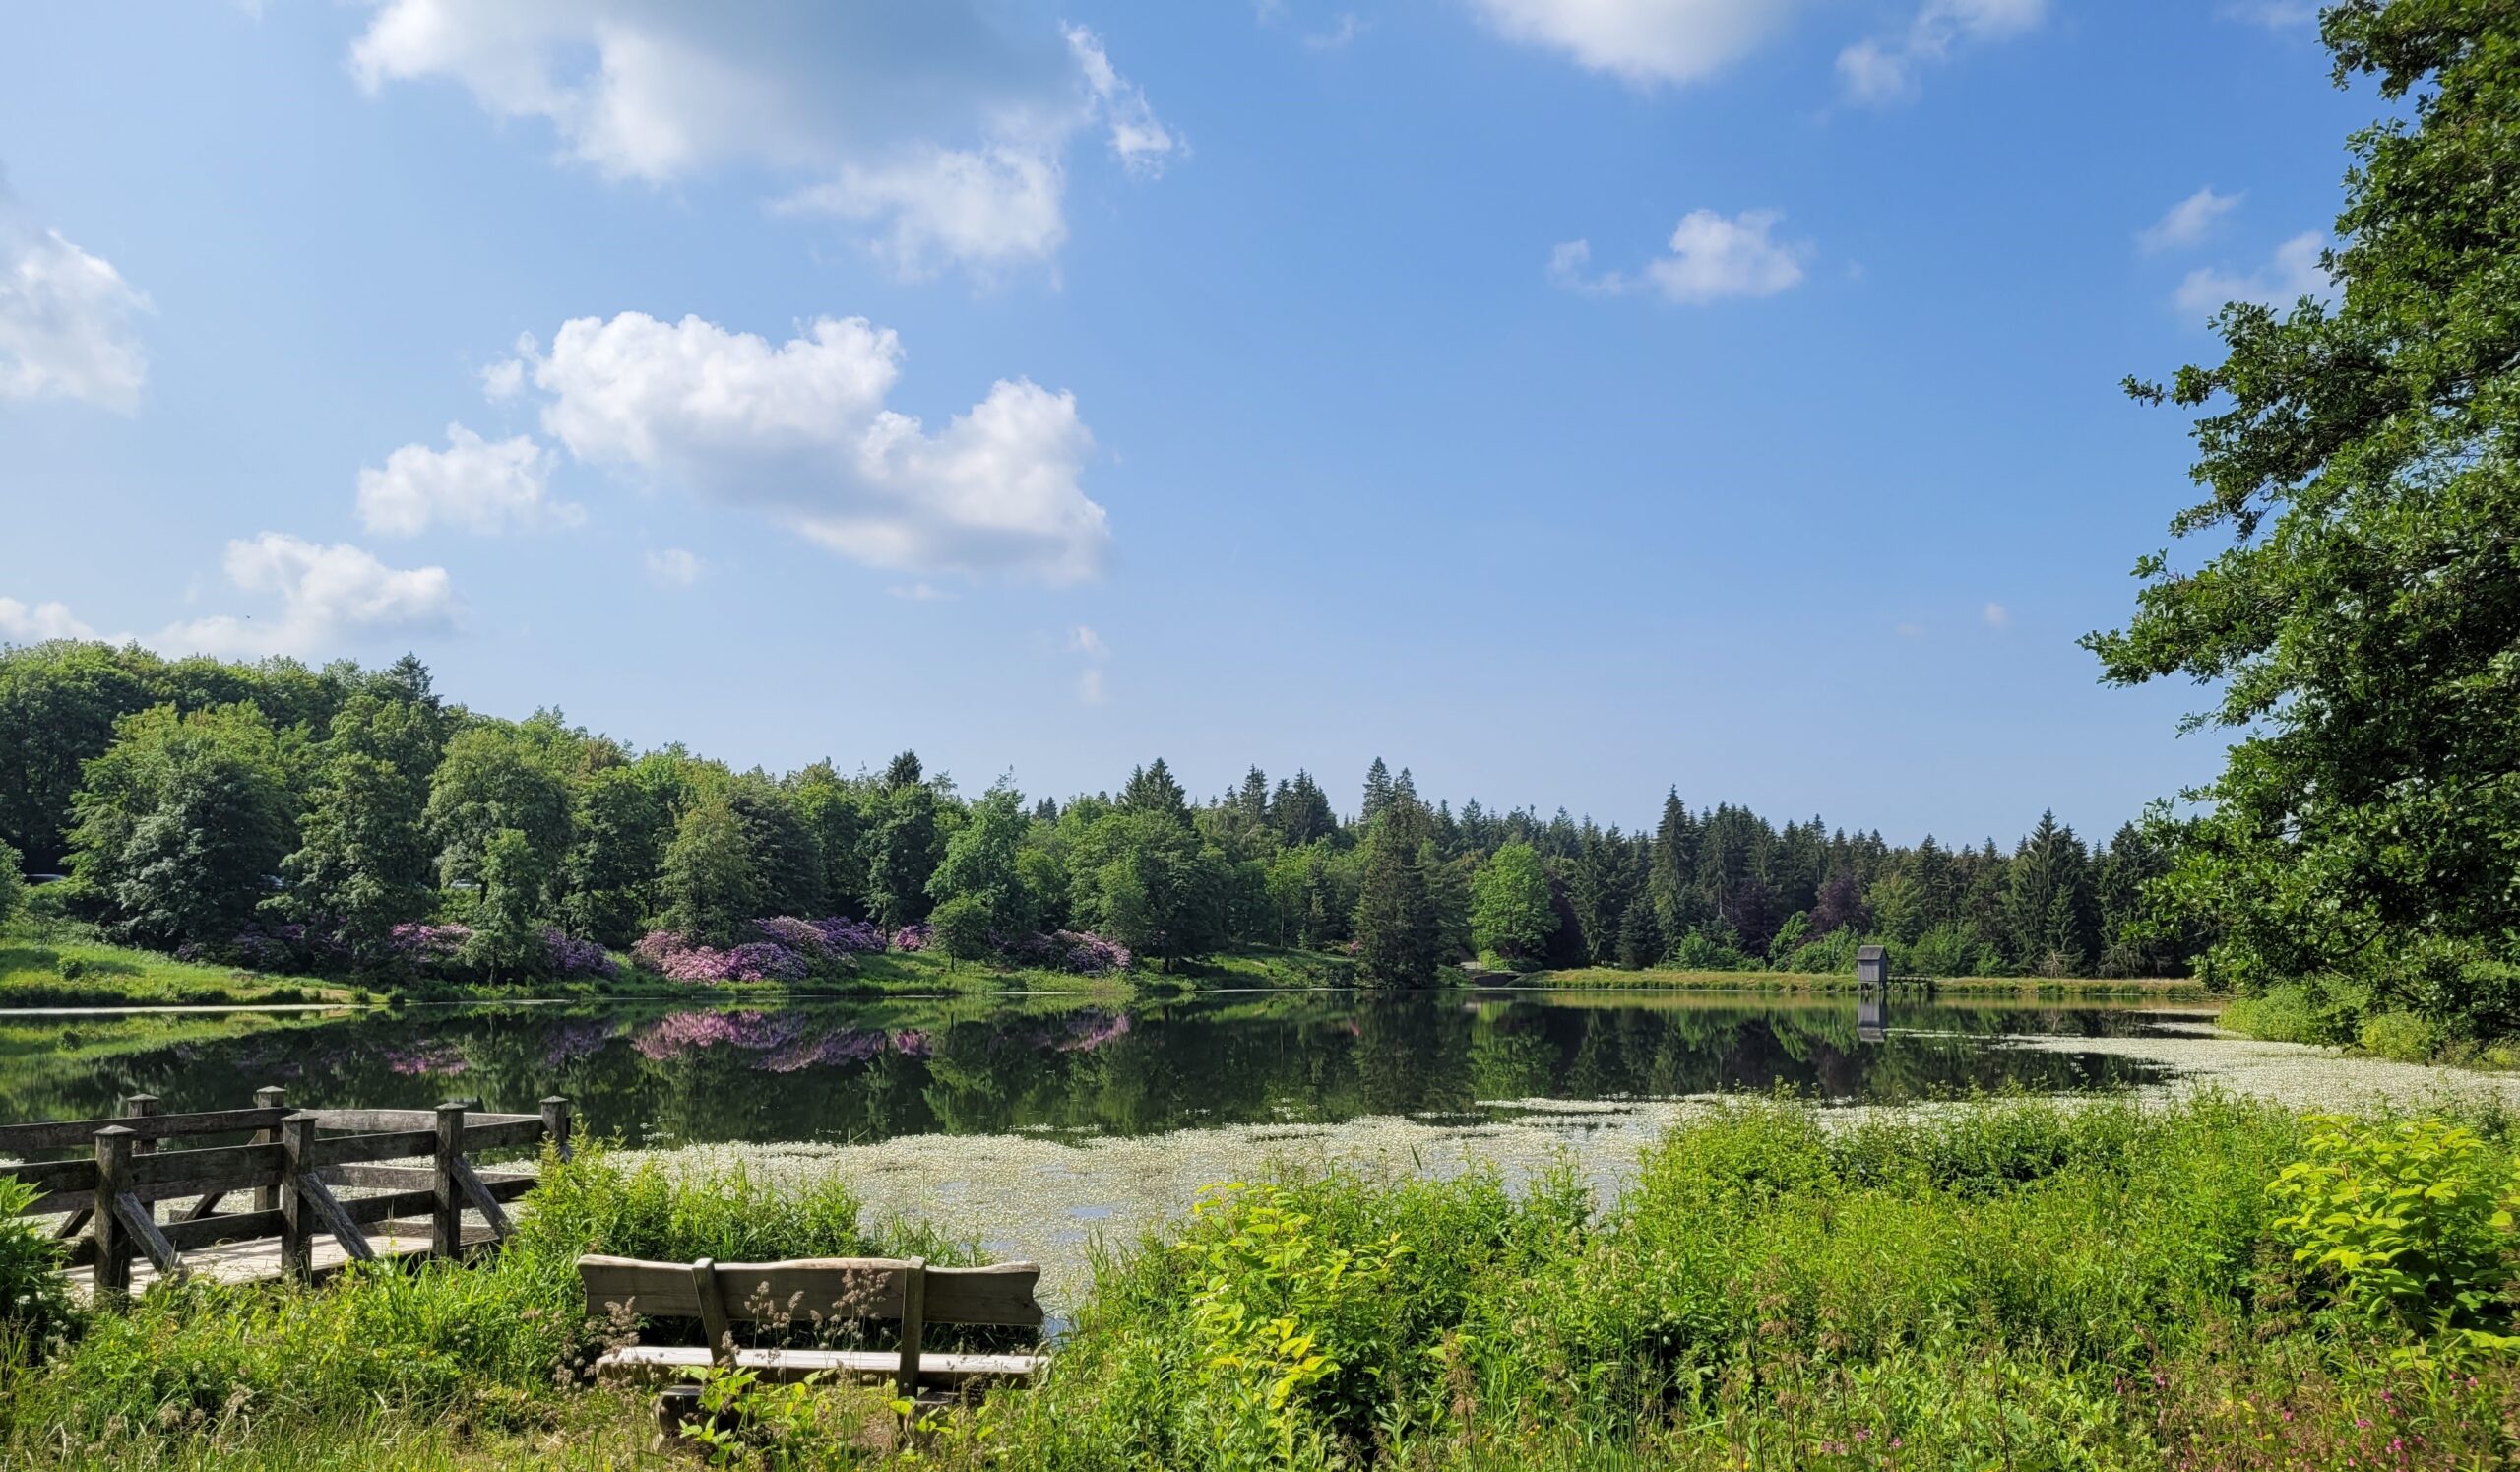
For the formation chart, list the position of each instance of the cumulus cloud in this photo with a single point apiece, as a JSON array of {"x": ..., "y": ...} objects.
[
  {"x": 1885, "y": 69},
  {"x": 673, "y": 567},
  {"x": 2293, "y": 273},
  {"x": 800, "y": 431},
  {"x": 1643, "y": 41},
  {"x": 488, "y": 486},
  {"x": 328, "y": 597},
  {"x": 1712, "y": 257},
  {"x": 68, "y": 320},
  {"x": 21, "y": 623},
  {"x": 328, "y": 594},
  {"x": 937, "y": 122},
  {"x": 2188, "y": 221}
]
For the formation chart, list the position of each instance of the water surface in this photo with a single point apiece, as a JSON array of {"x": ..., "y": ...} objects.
[{"x": 1067, "y": 1067}]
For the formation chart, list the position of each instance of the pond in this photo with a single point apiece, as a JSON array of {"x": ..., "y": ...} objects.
[{"x": 1067, "y": 1067}]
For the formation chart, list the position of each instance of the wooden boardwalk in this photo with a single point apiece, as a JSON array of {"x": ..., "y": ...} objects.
[
  {"x": 305, "y": 1192},
  {"x": 259, "y": 1262}
]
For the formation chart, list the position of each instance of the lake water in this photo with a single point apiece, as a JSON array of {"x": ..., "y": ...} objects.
[{"x": 1063, "y": 1066}]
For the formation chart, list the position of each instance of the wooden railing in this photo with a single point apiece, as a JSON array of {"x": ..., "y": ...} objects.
[{"x": 289, "y": 1164}]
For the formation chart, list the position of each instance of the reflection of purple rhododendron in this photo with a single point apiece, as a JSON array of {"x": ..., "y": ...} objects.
[
  {"x": 439, "y": 1060},
  {"x": 576, "y": 1039},
  {"x": 1088, "y": 1031},
  {"x": 844, "y": 1046},
  {"x": 913, "y": 937},
  {"x": 756, "y": 1032}
]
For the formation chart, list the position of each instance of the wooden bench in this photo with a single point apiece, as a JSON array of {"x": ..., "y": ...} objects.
[{"x": 815, "y": 1292}]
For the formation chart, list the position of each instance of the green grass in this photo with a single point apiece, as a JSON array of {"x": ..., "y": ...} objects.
[
  {"x": 41, "y": 973},
  {"x": 2166, "y": 988},
  {"x": 2016, "y": 1285}
]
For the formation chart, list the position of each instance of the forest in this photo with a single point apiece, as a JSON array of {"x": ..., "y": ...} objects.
[{"x": 351, "y": 821}]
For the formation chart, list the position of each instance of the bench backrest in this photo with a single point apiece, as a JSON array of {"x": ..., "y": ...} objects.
[{"x": 813, "y": 1291}]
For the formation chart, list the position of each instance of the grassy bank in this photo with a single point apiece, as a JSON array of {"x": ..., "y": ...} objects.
[
  {"x": 2013, "y": 1285},
  {"x": 56, "y": 973},
  {"x": 2347, "y": 1016},
  {"x": 42, "y": 973},
  {"x": 2166, "y": 988}
]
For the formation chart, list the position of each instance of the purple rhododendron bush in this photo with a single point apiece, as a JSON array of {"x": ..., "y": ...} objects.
[{"x": 786, "y": 948}]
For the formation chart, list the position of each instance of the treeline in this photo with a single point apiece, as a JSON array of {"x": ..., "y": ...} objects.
[{"x": 198, "y": 803}]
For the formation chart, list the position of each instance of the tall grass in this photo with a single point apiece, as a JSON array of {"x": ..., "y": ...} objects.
[
  {"x": 2017, "y": 1285},
  {"x": 2014, "y": 1285}
]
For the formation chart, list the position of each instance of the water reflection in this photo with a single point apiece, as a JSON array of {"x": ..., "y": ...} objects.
[{"x": 1122, "y": 1065}]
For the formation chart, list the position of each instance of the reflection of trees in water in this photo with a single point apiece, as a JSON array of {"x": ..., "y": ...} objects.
[{"x": 872, "y": 1071}]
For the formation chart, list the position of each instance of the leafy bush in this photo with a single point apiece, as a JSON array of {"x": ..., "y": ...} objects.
[
  {"x": 35, "y": 1306},
  {"x": 2403, "y": 1036},
  {"x": 2406, "y": 1219}
]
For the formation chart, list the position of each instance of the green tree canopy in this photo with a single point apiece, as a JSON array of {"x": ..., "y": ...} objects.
[
  {"x": 2363, "y": 624},
  {"x": 1510, "y": 911},
  {"x": 183, "y": 822}
]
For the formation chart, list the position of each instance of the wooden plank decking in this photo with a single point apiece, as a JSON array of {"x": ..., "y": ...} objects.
[{"x": 259, "y": 1260}]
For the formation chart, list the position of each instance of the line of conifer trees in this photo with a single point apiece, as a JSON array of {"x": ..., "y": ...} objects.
[{"x": 194, "y": 802}]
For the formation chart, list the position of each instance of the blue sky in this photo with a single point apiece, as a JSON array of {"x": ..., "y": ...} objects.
[{"x": 1562, "y": 397}]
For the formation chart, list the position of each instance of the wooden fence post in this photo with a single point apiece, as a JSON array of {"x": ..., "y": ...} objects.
[
  {"x": 141, "y": 1107},
  {"x": 555, "y": 1122},
  {"x": 267, "y": 1198},
  {"x": 446, "y": 1219},
  {"x": 113, "y": 1243},
  {"x": 297, "y": 1214}
]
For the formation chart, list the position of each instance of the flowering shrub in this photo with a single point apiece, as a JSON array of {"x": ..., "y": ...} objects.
[
  {"x": 572, "y": 957},
  {"x": 288, "y": 947},
  {"x": 802, "y": 936},
  {"x": 421, "y": 943},
  {"x": 1087, "y": 954},
  {"x": 851, "y": 937},
  {"x": 1077, "y": 952},
  {"x": 678, "y": 960},
  {"x": 915, "y": 937}
]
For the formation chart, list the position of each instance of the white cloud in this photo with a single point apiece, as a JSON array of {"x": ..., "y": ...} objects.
[
  {"x": 1998, "y": 616},
  {"x": 22, "y": 624},
  {"x": 1884, "y": 69},
  {"x": 2187, "y": 222},
  {"x": 504, "y": 379},
  {"x": 1139, "y": 141},
  {"x": 2275, "y": 15},
  {"x": 328, "y": 594},
  {"x": 1087, "y": 645},
  {"x": 1711, "y": 258},
  {"x": 938, "y": 123},
  {"x": 2291, "y": 275},
  {"x": 479, "y": 485},
  {"x": 673, "y": 567},
  {"x": 1643, "y": 41},
  {"x": 1338, "y": 38},
  {"x": 800, "y": 431},
  {"x": 919, "y": 592},
  {"x": 67, "y": 320}
]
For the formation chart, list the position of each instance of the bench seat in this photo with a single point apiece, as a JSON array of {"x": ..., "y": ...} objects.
[{"x": 659, "y": 1364}]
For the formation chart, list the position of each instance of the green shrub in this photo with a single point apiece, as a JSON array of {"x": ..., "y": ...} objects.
[
  {"x": 2403, "y": 1036},
  {"x": 2406, "y": 1219},
  {"x": 34, "y": 1305},
  {"x": 71, "y": 968},
  {"x": 2289, "y": 1013}
]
